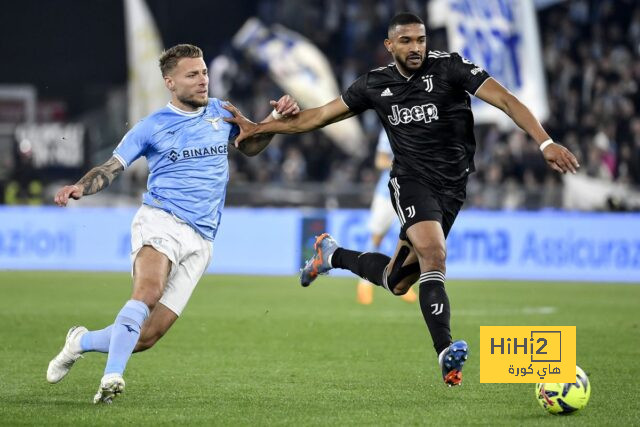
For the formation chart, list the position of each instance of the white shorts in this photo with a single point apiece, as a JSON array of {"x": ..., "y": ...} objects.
[
  {"x": 189, "y": 252},
  {"x": 382, "y": 214}
]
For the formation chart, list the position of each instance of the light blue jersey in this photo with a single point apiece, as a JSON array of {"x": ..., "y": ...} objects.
[
  {"x": 383, "y": 147},
  {"x": 187, "y": 156}
]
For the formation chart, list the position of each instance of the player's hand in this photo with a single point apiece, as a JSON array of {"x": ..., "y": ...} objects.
[
  {"x": 67, "y": 192},
  {"x": 286, "y": 106},
  {"x": 247, "y": 127},
  {"x": 560, "y": 159}
]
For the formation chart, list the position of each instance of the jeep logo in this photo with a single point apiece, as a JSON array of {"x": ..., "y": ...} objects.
[{"x": 424, "y": 112}]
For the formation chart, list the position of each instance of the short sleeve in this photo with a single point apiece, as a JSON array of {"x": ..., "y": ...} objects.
[
  {"x": 383, "y": 143},
  {"x": 355, "y": 97},
  {"x": 133, "y": 145},
  {"x": 235, "y": 129},
  {"x": 466, "y": 74}
]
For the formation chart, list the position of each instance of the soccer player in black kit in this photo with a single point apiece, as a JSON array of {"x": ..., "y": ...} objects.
[{"x": 423, "y": 102}]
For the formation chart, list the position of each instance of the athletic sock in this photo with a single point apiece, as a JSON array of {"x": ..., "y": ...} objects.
[
  {"x": 368, "y": 265},
  {"x": 96, "y": 340},
  {"x": 434, "y": 304},
  {"x": 125, "y": 334}
]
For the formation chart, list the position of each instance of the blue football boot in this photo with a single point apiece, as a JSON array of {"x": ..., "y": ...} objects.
[
  {"x": 324, "y": 247},
  {"x": 451, "y": 361}
]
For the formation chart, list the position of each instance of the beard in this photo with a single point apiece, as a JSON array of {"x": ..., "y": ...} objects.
[
  {"x": 194, "y": 102},
  {"x": 408, "y": 65}
]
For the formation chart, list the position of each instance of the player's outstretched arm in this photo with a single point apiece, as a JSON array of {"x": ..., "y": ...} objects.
[
  {"x": 95, "y": 180},
  {"x": 307, "y": 120},
  {"x": 556, "y": 156},
  {"x": 286, "y": 106}
]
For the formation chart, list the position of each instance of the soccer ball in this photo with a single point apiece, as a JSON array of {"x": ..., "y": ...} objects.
[{"x": 561, "y": 398}]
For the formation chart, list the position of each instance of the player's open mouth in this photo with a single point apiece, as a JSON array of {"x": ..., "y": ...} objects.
[{"x": 414, "y": 58}]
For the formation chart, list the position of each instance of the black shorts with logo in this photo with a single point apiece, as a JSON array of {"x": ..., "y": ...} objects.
[{"x": 414, "y": 201}]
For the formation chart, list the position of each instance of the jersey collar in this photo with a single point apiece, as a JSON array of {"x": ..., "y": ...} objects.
[
  {"x": 408, "y": 78},
  {"x": 185, "y": 113},
  {"x": 402, "y": 75}
]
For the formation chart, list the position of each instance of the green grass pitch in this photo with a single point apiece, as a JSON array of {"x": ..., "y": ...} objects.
[{"x": 264, "y": 351}]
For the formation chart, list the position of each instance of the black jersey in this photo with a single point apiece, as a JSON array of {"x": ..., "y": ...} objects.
[{"x": 427, "y": 117}]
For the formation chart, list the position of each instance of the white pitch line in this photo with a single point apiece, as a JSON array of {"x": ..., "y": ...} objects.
[
  {"x": 506, "y": 311},
  {"x": 405, "y": 314}
]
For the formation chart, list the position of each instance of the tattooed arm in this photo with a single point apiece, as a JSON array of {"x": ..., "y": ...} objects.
[{"x": 95, "y": 180}]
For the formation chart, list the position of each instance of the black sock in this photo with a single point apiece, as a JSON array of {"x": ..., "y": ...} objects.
[
  {"x": 434, "y": 304},
  {"x": 368, "y": 265}
]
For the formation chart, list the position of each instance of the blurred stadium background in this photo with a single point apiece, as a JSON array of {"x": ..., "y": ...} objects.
[{"x": 82, "y": 72}]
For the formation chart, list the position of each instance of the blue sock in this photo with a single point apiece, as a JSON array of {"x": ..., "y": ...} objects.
[
  {"x": 125, "y": 334},
  {"x": 96, "y": 340}
]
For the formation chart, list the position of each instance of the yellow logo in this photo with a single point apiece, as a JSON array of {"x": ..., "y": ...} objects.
[{"x": 527, "y": 354}]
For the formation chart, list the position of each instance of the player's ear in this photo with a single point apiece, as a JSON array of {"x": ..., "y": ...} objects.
[
  {"x": 169, "y": 83},
  {"x": 388, "y": 45}
]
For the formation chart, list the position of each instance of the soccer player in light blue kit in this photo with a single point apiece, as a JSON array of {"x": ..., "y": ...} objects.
[{"x": 185, "y": 144}]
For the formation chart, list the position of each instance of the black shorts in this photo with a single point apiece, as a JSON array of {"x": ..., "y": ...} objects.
[{"x": 414, "y": 201}]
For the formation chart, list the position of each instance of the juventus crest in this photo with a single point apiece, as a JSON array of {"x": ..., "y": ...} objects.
[{"x": 427, "y": 79}]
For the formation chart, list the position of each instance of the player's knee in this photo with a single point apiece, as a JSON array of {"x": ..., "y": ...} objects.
[
  {"x": 149, "y": 291},
  {"x": 432, "y": 256},
  {"x": 401, "y": 278},
  {"x": 150, "y": 298},
  {"x": 401, "y": 288}
]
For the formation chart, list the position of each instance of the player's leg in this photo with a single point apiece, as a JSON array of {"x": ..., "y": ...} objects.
[
  {"x": 97, "y": 341},
  {"x": 150, "y": 273},
  {"x": 382, "y": 217},
  {"x": 157, "y": 325},
  {"x": 395, "y": 273},
  {"x": 378, "y": 225},
  {"x": 367, "y": 265},
  {"x": 402, "y": 278},
  {"x": 364, "y": 290},
  {"x": 428, "y": 239},
  {"x": 408, "y": 294},
  {"x": 403, "y": 271},
  {"x": 79, "y": 340},
  {"x": 156, "y": 247},
  {"x": 426, "y": 218},
  {"x": 177, "y": 292},
  {"x": 420, "y": 213},
  {"x": 370, "y": 266},
  {"x": 428, "y": 242}
]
